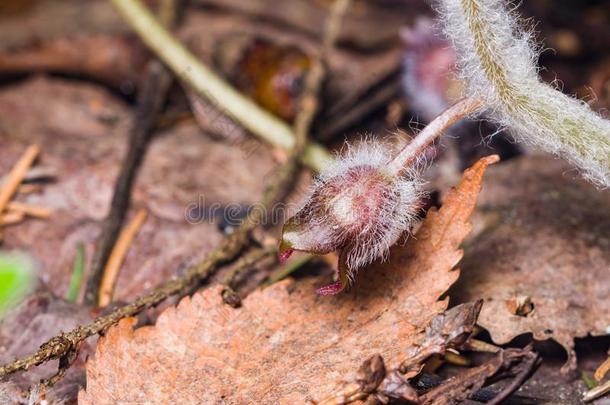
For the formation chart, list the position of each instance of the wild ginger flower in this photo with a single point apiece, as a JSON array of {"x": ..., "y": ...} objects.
[
  {"x": 362, "y": 203},
  {"x": 497, "y": 61},
  {"x": 358, "y": 207}
]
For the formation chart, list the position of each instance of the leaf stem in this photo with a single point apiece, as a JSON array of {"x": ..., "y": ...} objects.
[{"x": 410, "y": 153}]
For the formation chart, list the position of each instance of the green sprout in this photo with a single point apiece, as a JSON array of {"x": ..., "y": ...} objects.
[{"x": 17, "y": 279}]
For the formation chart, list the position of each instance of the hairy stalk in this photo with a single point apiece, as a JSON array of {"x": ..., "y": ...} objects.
[
  {"x": 409, "y": 154},
  {"x": 498, "y": 61},
  {"x": 209, "y": 85}
]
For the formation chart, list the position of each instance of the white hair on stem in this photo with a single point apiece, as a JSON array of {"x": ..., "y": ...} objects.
[{"x": 497, "y": 59}]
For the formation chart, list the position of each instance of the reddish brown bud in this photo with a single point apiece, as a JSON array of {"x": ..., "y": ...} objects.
[{"x": 357, "y": 207}]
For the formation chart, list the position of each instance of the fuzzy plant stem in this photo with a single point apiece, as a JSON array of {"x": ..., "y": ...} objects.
[
  {"x": 497, "y": 60},
  {"x": 209, "y": 85},
  {"x": 410, "y": 153}
]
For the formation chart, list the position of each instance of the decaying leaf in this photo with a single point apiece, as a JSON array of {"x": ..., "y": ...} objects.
[
  {"x": 114, "y": 59},
  {"x": 447, "y": 330},
  {"x": 287, "y": 344},
  {"x": 541, "y": 260},
  {"x": 82, "y": 132},
  {"x": 48, "y": 19},
  {"x": 369, "y": 25},
  {"x": 455, "y": 390}
]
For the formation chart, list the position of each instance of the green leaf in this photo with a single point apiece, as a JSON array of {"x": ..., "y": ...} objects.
[
  {"x": 78, "y": 268},
  {"x": 17, "y": 279}
]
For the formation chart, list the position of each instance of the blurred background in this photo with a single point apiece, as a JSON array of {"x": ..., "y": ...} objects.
[{"x": 71, "y": 72}]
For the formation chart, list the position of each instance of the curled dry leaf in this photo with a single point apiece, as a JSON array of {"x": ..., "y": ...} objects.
[
  {"x": 449, "y": 329},
  {"x": 287, "y": 344},
  {"x": 541, "y": 261},
  {"x": 457, "y": 389}
]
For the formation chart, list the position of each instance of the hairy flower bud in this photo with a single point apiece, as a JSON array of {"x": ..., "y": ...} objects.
[{"x": 358, "y": 207}]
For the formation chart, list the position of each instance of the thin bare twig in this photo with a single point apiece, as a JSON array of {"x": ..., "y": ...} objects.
[
  {"x": 528, "y": 367},
  {"x": 313, "y": 82},
  {"x": 11, "y": 218},
  {"x": 29, "y": 210},
  {"x": 602, "y": 370},
  {"x": 228, "y": 293},
  {"x": 252, "y": 258},
  {"x": 151, "y": 98},
  {"x": 29, "y": 188},
  {"x": 113, "y": 266},
  {"x": 17, "y": 174},
  {"x": 208, "y": 84},
  {"x": 37, "y": 391},
  {"x": 155, "y": 86},
  {"x": 342, "y": 119}
]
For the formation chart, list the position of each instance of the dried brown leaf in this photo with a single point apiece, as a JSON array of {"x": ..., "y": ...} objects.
[
  {"x": 49, "y": 19},
  {"x": 114, "y": 59},
  {"x": 447, "y": 330},
  {"x": 542, "y": 258},
  {"x": 450, "y": 329},
  {"x": 287, "y": 344},
  {"x": 506, "y": 363},
  {"x": 82, "y": 131}
]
